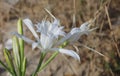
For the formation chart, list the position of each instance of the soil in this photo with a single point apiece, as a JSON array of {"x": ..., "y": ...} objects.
[{"x": 105, "y": 39}]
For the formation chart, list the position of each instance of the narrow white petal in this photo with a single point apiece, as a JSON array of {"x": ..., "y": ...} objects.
[
  {"x": 8, "y": 44},
  {"x": 34, "y": 45},
  {"x": 57, "y": 31},
  {"x": 56, "y": 22},
  {"x": 29, "y": 24},
  {"x": 74, "y": 37},
  {"x": 70, "y": 53},
  {"x": 75, "y": 30},
  {"x": 84, "y": 26},
  {"x": 61, "y": 32},
  {"x": 42, "y": 40},
  {"x": 62, "y": 40},
  {"x": 46, "y": 41},
  {"x": 23, "y": 37}
]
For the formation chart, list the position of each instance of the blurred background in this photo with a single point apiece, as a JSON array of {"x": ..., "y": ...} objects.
[{"x": 105, "y": 39}]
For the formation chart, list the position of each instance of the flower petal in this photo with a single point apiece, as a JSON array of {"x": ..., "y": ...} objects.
[
  {"x": 57, "y": 29},
  {"x": 23, "y": 37},
  {"x": 8, "y": 44},
  {"x": 75, "y": 37},
  {"x": 62, "y": 40},
  {"x": 85, "y": 26},
  {"x": 34, "y": 45},
  {"x": 47, "y": 41},
  {"x": 74, "y": 30},
  {"x": 29, "y": 24},
  {"x": 56, "y": 22},
  {"x": 70, "y": 53}
]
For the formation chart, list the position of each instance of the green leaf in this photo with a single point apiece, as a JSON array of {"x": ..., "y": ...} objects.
[
  {"x": 5, "y": 67},
  {"x": 16, "y": 54},
  {"x": 24, "y": 66},
  {"x": 9, "y": 61},
  {"x": 20, "y": 26},
  {"x": 16, "y": 50},
  {"x": 21, "y": 41}
]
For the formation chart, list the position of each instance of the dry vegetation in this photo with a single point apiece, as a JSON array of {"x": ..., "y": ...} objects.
[{"x": 106, "y": 39}]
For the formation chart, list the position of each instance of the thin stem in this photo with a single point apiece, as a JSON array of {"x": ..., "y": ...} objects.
[
  {"x": 49, "y": 60},
  {"x": 53, "y": 56},
  {"x": 43, "y": 54}
]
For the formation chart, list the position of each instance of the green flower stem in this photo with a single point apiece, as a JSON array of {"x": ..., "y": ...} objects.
[
  {"x": 42, "y": 66},
  {"x": 53, "y": 56},
  {"x": 43, "y": 54},
  {"x": 49, "y": 60}
]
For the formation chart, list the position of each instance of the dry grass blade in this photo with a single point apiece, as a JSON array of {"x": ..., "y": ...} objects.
[
  {"x": 92, "y": 50},
  {"x": 50, "y": 13},
  {"x": 74, "y": 13},
  {"x": 110, "y": 25}
]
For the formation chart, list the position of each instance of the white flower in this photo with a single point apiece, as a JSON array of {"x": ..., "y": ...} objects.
[
  {"x": 75, "y": 33},
  {"x": 47, "y": 28},
  {"x": 49, "y": 35}
]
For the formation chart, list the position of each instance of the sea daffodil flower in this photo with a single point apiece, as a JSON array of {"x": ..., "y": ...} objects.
[
  {"x": 75, "y": 33},
  {"x": 49, "y": 36}
]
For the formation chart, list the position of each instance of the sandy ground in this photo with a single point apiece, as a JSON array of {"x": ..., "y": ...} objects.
[{"x": 105, "y": 39}]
